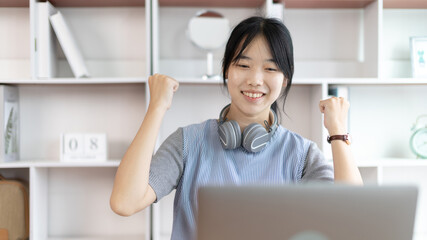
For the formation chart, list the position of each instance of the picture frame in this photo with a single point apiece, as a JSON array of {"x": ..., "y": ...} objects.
[
  {"x": 419, "y": 56},
  {"x": 9, "y": 131}
]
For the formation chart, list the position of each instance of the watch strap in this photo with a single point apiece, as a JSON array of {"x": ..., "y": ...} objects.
[{"x": 344, "y": 138}]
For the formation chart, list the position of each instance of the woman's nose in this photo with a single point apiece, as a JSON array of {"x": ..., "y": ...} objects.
[{"x": 256, "y": 78}]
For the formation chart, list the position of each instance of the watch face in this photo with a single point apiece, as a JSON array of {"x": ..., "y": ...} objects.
[{"x": 419, "y": 142}]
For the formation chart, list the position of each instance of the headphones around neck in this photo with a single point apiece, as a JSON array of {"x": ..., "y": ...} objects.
[{"x": 253, "y": 138}]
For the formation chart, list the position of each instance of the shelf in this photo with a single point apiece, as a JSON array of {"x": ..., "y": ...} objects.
[
  {"x": 405, "y": 4},
  {"x": 348, "y": 49},
  {"x": 98, "y": 238},
  {"x": 98, "y": 3},
  {"x": 259, "y": 3},
  {"x": 6, "y": 165},
  {"x": 56, "y": 163},
  {"x": 327, "y": 3},
  {"x": 393, "y": 162},
  {"x": 361, "y": 81},
  {"x": 199, "y": 81},
  {"x": 311, "y": 81},
  {"x": 217, "y": 3},
  {"x": 14, "y": 3},
  {"x": 76, "y": 81},
  {"x": 375, "y": 81}
]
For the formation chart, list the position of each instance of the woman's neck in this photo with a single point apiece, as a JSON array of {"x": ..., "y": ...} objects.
[{"x": 244, "y": 119}]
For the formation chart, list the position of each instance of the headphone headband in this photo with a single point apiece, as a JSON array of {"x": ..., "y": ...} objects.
[
  {"x": 271, "y": 128},
  {"x": 222, "y": 115}
]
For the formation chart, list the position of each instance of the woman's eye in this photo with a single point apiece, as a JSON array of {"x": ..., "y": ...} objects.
[
  {"x": 271, "y": 69},
  {"x": 243, "y": 66}
]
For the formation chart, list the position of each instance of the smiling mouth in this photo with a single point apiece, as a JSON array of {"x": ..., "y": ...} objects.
[{"x": 253, "y": 95}]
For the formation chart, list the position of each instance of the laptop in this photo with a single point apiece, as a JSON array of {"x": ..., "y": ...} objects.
[{"x": 306, "y": 212}]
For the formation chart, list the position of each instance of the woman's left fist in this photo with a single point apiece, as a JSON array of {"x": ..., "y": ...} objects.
[{"x": 335, "y": 112}]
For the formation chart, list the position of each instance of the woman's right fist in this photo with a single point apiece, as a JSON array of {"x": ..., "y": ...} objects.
[{"x": 162, "y": 88}]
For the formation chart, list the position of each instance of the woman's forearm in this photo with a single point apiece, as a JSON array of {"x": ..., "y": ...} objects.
[{"x": 345, "y": 168}]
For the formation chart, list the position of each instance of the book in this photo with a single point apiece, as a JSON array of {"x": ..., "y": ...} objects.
[
  {"x": 69, "y": 45},
  {"x": 9, "y": 140},
  {"x": 46, "y": 44}
]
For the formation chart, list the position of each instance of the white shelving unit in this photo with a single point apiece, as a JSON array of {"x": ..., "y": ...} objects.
[
  {"x": 336, "y": 44},
  {"x": 361, "y": 45},
  {"x": 71, "y": 200}
]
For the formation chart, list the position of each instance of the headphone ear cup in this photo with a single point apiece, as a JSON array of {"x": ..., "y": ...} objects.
[
  {"x": 230, "y": 135},
  {"x": 255, "y": 137}
]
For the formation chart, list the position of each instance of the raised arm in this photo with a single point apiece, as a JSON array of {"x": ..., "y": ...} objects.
[
  {"x": 335, "y": 112},
  {"x": 131, "y": 192}
]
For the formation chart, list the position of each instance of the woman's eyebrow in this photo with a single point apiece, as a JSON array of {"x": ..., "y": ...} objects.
[
  {"x": 245, "y": 57},
  {"x": 248, "y": 58}
]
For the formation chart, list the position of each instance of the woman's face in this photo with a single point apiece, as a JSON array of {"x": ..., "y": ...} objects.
[{"x": 254, "y": 80}]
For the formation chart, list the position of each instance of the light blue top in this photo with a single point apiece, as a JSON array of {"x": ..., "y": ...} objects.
[{"x": 193, "y": 157}]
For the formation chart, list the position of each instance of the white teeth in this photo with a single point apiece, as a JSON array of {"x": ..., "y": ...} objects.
[{"x": 252, "y": 95}]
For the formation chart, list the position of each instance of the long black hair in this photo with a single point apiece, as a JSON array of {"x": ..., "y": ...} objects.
[{"x": 279, "y": 41}]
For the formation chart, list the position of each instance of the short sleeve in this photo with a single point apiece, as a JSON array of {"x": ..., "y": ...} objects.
[
  {"x": 316, "y": 168},
  {"x": 167, "y": 165}
]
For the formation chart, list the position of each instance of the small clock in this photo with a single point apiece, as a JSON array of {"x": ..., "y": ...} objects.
[{"x": 418, "y": 140}]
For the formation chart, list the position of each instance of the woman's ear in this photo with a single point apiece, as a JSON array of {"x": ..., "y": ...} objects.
[{"x": 285, "y": 82}]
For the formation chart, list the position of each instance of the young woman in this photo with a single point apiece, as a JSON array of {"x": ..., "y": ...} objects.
[{"x": 244, "y": 146}]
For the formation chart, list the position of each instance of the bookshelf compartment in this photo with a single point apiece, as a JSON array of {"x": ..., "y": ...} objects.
[
  {"x": 14, "y": 43},
  {"x": 334, "y": 43},
  {"x": 398, "y": 26},
  {"x": 377, "y": 110},
  {"x": 49, "y": 110},
  {"x": 303, "y": 114},
  {"x": 187, "y": 60},
  {"x": 112, "y": 40},
  {"x": 75, "y": 204},
  {"x": 184, "y": 112}
]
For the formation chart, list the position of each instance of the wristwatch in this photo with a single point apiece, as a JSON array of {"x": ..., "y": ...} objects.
[{"x": 345, "y": 138}]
